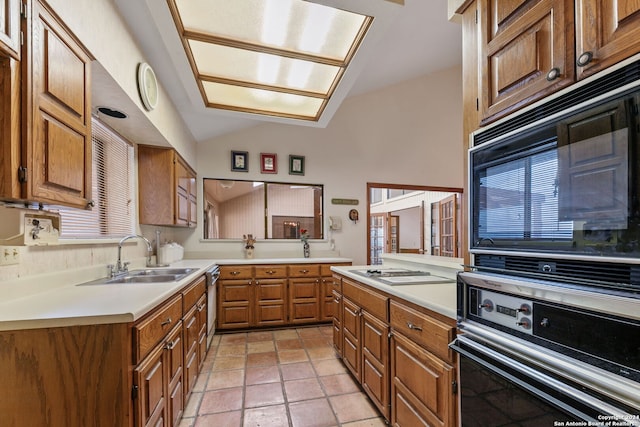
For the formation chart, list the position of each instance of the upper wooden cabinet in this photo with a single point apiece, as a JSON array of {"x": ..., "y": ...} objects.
[
  {"x": 606, "y": 33},
  {"x": 527, "y": 47},
  {"x": 166, "y": 188},
  {"x": 10, "y": 28},
  {"x": 525, "y": 52},
  {"x": 46, "y": 113}
]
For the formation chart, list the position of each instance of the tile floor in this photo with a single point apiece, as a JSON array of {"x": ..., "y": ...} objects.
[{"x": 288, "y": 377}]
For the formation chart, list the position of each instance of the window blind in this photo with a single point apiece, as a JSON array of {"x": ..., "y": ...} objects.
[{"x": 112, "y": 189}]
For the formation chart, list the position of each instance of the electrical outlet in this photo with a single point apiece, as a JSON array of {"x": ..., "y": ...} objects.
[{"x": 9, "y": 255}]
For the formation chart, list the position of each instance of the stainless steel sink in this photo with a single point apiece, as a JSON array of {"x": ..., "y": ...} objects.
[{"x": 147, "y": 275}]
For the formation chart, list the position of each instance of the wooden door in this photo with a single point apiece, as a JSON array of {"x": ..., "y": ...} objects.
[
  {"x": 10, "y": 28},
  {"x": 150, "y": 378},
  {"x": 326, "y": 296},
  {"x": 304, "y": 300},
  {"x": 182, "y": 187},
  {"x": 173, "y": 353},
  {"x": 60, "y": 144},
  {"x": 526, "y": 52},
  {"x": 270, "y": 300},
  {"x": 375, "y": 361},
  {"x": 190, "y": 350},
  {"x": 234, "y": 303},
  {"x": 448, "y": 226},
  {"x": 337, "y": 321},
  {"x": 606, "y": 33},
  {"x": 202, "y": 309},
  {"x": 351, "y": 347}
]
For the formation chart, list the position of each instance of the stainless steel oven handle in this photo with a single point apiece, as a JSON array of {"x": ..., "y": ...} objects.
[{"x": 561, "y": 387}]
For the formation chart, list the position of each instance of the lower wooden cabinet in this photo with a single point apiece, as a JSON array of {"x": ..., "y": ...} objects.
[
  {"x": 422, "y": 386},
  {"x": 398, "y": 353},
  {"x": 270, "y": 305}
]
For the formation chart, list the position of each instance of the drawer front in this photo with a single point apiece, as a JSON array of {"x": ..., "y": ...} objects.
[
  {"x": 304, "y": 270},
  {"x": 270, "y": 271},
  {"x": 430, "y": 333},
  {"x": 236, "y": 272},
  {"x": 193, "y": 293},
  {"x": 234, "y": 291},
  {"x": 154, "y": 328},
  {"x": 304, "y": 289},
  {"x": 366, "y": 298}
]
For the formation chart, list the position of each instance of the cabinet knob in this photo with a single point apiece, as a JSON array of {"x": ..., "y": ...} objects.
[
  {"x": 414, "y": 327},
  {"x": 304, "y": 271},
  {"x": 201, "y": 307},
  {"x": 91, "y": 204},
  {"x": 166, "y": 322},
  {"x": 584, "y": 59},
  {"x": 235, "y": 273},
  {"x": 553, "y": 74},
  {"x": 271, "y": 272},
  {"x": 170, "y": 345}
]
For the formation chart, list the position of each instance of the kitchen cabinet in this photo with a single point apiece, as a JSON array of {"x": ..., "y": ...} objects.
[
  {"x": 304, "y": 293},
  {"x": 326, "y": 293},
  {"x": 423, "y": 378},
  {"x": 10, "y": 28},
  {"x": 166, "y": 187},
  {"x": 194, "y": 304},
  {"x": 46, "y": 113},
  {"x": 273, "y": 295},
  {"x": 527, "y": 47},
  {"x": 337, "y": 313}
]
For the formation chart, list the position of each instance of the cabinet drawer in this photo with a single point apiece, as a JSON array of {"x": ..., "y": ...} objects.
[
  {"x": 191, "y": 295},
  {"x": 154, "y": 328},
  {"x": 236, "y": 272},
  {"x": 430, "y": 333},
  {"x": 368, "y": 299},
  {"x": 270, "y": 271},
  {"x": 304, "y": 270}
]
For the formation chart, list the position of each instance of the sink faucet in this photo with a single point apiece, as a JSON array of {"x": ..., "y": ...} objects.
[{"x": 121, "y": 267}]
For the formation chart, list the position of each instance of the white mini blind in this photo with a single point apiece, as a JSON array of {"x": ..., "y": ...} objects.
[{"x": 112, "y": 188}]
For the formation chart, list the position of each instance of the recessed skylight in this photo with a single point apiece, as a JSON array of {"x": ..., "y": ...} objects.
[{"x": 274, "y": 57}]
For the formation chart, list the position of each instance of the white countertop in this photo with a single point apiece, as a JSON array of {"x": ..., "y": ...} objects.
[
  {"x": 438, "y": 297},
  {"x": 28, "y": 304}
]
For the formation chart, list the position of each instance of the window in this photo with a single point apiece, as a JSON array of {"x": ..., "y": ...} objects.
[{"x": 112, "y": 188}]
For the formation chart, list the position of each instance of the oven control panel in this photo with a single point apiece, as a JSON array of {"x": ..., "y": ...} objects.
[{"x": 506, "y": 310}]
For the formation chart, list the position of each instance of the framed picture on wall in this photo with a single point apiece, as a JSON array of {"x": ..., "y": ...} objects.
[
  {"x": 240, "y": 161},
  {"x": 268, "y": 163},
  {"x": 296, "y": 165}
]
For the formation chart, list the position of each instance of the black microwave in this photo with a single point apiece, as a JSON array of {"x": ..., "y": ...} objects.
[{"x": 562, "y": 179}]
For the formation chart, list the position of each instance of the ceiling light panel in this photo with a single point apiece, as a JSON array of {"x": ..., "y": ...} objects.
[
  {"x": 291, "y": 25},
  {"x": 225, "y": 62}
]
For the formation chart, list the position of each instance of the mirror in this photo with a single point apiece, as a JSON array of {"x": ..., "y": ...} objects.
[
  {"x": 413, "y": 219},
  {"x": 268, "y": 210}
]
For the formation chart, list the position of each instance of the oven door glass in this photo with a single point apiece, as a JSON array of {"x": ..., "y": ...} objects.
[{"x": 494, "y": 393}]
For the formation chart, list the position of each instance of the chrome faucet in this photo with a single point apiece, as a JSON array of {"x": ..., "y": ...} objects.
[{"x": 121, "y": 267}]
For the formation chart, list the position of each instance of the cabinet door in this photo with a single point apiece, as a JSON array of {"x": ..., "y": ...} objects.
[
  {"x": 150, "y": 378},
  {"x": 606, "y": 33},
  {"x": 234, "y": 304},
  {"x": 304, "y": 301},
  {"x": 351, "y": 347},
  {"x": 174, "y": 361},
  {"x": 526, "y": 52},
  {"x": 421, "y": 386},
  {"x": 60, "y": 143},
  {"x": 202, "y": 309},
  {"x": 337, "y": 322},
  {"x": 182, "y": 186},
  {"x": 270, "y": 295},
  {"x": 10, "y": 28},
  {"x": 191, "y": 362},
  {"x": 375, "y": 361},
  {"x": 193, "y": 200},
  {"x": 326, "y": 297}
]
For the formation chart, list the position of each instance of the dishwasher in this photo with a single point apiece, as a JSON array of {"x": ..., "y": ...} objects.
[{"x": 211, "y": 275}]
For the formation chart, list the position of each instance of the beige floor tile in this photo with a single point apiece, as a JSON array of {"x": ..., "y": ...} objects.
[
  {"x": 372, "y": 422},
  {"x": 237, "y": 338},
  {"x": 227, "y": 363},
  {"x": 201, "y": 382},
  {"x": 226, "y": 379},
  {"x": 191, "y": 409},
  {"x": 339, "y": 384},
  {"x": 312, "y": 413},
  {"x": 263, "y": 395},
  {"x": 311, "y": 332},
  {"x": 292, "y": 356},
  {"x": 263, "y": 375},
  {"x": 260, "y": 336},
  {"x": 322, "y": 353},
  {"x": 261, "y": 347},
  {"x": 213, "y": 401},
  {"x": 268, "y": 416},
  {"x": 328, "y": 367},
  {"x": 289, "y": 344},
  {"x": 316, "y": 342},
  {"x": 352, "y": 407},
  {"x": 226, "y": 419},
  {"x": 262, "y": 359},
  {"x": 186, "y": 422},
  {"x": 304, "y": 389},
  {"x": 296, "y": 371},
  {"x": 286, "y": 334},
  {"x": 231, "y": 350}
]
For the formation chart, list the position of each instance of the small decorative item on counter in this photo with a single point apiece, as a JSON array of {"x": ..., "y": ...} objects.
[
  {"x": 304, "y": 237},
  {"x": 249, "y": 244}
]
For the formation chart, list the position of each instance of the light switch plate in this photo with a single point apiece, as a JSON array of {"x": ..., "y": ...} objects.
[{"x": 9, "y": 255}]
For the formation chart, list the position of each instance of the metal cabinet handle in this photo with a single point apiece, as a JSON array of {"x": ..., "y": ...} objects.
[
  {"x": 271, "y": 272},
  {"x": 170, "y": 345},
  {"x": 584, "y": 59},
  {"x": 414, "y": 327},
  {"x": 166, "y": 322},
  {"x": 304, "y": 271},
  {"x": 235, "y": 273},
  {"x": 201, "y": 307},
  {"x": 553, "y": 74}
]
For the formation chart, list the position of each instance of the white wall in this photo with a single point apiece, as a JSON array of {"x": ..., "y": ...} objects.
[{"x": 409, "y": 133}]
